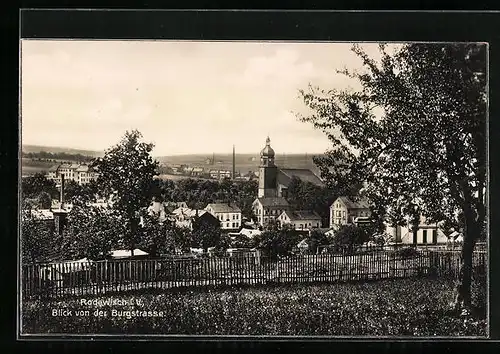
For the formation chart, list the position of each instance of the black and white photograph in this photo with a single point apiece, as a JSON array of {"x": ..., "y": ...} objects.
[{"x": 253, "y": 188}]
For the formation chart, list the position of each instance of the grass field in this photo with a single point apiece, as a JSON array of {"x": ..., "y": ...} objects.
[{"x": 403, "y": 307}]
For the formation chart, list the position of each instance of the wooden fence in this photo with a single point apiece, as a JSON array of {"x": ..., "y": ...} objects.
[{"x": 103, "y": 277}]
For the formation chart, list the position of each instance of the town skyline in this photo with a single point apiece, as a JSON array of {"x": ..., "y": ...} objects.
[{"x": 185, "y": 97}]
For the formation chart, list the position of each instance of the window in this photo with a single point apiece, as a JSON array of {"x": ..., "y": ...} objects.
[
  {"x": 234, "y": 217},
  {"x": 424, "y": 236},
  {"x": 434, "y": 237}
]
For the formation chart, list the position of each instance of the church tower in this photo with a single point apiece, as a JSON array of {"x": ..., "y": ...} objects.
[{"x": 268, "y": 172}]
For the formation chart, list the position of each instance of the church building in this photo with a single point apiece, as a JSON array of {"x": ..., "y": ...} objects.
[{"x": 273, "y": 186}]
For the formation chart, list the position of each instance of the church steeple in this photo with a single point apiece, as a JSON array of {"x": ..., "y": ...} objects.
[
  {"x": 267, "y": 172},
  {"x": 267, "y": 154}
]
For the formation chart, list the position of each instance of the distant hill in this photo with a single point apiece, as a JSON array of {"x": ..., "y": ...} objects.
[
  {"x": 57, "y": 149},
  {"x": 244, "y": 162}
]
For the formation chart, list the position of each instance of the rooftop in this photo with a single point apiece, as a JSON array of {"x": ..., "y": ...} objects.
[
  {"x": 223, "y": 208},
  {"x": 354, "y": 202},
  {"x": 303, "y": 174},
  {"x": 303, "y": 215},
  {"x": 273, "y": 201}
]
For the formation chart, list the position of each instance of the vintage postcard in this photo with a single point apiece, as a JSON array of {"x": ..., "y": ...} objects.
[{"x": 251, "y": 188}]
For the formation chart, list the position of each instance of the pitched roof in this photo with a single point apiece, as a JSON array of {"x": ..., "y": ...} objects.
[
  {"x": 273, "y": 201},
  {"x": 127, "y": 253},
  {"x": 223, "y": 208},
  {"x": 303, "y": 215},
  {"x": 54, "y": 168},
  {"x": 83, "y": 168},
  {"x": 305, "y": 175},
  {"x": 354, "y": 203}
]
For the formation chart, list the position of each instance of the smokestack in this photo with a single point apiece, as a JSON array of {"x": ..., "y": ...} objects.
[
  {"x": 61, "y": 193},
  {"x": 234, "y": 163}
]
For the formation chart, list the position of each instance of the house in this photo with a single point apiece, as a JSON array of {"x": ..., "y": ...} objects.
[
  {"x": 427, "y": 233},
  {"x": 300, "y": 219},
  {"x": 269, "y": 208},
  {"x": 249, "y": 233},
  {"x": 190, "y": 218},
  {"x": 79, "y": 173},
  {"x": 229, "y": 215},
  {"x": 303, "y": 246},
  {"x": 124, "y": 254},
  {"x": 171, "y": 206},
  {"x": 346, "y": 210},
  {"x": 158, "y": 209},
  {"x": 220, "y": 174},
  {"x": 197, "y": 171}
]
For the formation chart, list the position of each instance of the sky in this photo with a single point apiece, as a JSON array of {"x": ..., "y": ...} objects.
[{"x": 185, "y": 97}]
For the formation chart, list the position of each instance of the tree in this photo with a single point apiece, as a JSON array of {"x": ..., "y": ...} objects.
[
  {"x": 415, "y": 134},
  {"x": 276, "y": 241},
  {"x": 205, "y": 235},
  {"x": 316, "y": 239},
  {"x": 92, "y": 232},
  {"x": 72, "y": 190},
  {"x": 32, "y": 186},
  {"x": 126, "y": 172},
  {"x": 348, "y": 237},
  {"x": 308, "y": 196},
  {"x": 155, "y": 236},
  {"x": 44, "y": 200},
  {"x": 37, "y": 240}
]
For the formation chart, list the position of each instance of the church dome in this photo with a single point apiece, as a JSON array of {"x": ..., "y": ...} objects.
[{"x": 268, "y": 150}]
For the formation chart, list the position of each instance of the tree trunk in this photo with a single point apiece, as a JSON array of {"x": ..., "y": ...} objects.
[{"x": 463, "y": 291}]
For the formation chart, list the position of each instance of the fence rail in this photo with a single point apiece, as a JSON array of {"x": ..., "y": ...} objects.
[{"x": 102, "y": 277}]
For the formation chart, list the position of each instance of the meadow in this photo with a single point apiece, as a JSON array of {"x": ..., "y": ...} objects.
[{"x": 399, "y": 307}]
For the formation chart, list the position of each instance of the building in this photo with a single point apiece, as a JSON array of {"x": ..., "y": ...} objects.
[
  {"x": 85, "y": 174},
  {"x": 191, "y": 218},
  {"x": 346, "y": 210},
  {"x": 426, "y": 234},
  {"x": 300, "y": 219},
  {"x": 171, "y": 206},
  {"x": 269, "y": 208},
  {"x": 79, "y": 173},
  {"x": 285, "y": 176},
  {"x": 220, "y": 174},
  {"x": 229, "y": 215},
  {"x": 197, "y": 171},
  {"x": 273, "y": 186}
]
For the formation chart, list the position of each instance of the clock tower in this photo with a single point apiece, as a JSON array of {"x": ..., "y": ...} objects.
[{"x": 268, "y": 172}]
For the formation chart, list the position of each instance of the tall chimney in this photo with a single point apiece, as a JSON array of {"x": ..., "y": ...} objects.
[
  {"x": 234, "y": 163},
  {"x": 60, "y": 214},
  {"x": 61, "y": 192}
]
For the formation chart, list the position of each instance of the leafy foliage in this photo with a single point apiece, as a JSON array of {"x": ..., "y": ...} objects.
[
  {"x": 308, "y": 196},
  {"x": 37, "y": 240},
  {"x": 126, "y": 172},
  {"x": 205, "y": 235},
  {"x": 32, "y": 186},
  {"x": 349, "y": 236},
  {"x": 414, "y": 133},
  {"x": 275, "y": 241},
  {"x": 92, "y": 232},
  {"x": 316, "y": 239}
]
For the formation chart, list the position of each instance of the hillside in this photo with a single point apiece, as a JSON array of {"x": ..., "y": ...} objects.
[
  {"x": 57, "y": 149},
  {"x": 244, "y": 162}
]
